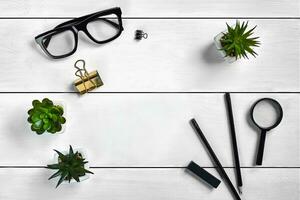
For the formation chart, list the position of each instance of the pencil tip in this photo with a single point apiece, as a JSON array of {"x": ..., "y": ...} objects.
[{"x": 240, "y": 190}]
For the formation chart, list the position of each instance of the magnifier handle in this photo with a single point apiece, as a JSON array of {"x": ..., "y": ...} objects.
[{"x": 261, "y": 147}]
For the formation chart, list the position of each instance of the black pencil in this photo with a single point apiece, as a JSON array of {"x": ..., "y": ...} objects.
[
  {"x": 215, "y": 159},
  {"x": 234, "y": 143}
]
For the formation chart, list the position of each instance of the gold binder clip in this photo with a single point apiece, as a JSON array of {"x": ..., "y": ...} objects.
[{"x": 87, "y": 81}]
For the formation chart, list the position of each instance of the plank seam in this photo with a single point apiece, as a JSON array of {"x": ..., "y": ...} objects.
[
  {"x": 159, "y": 18},
  {"x": 144, "y": 167},
  {"x": 217, "y": 92}
]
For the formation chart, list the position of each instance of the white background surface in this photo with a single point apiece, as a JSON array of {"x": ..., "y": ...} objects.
[{"x": 139, "y": 143}]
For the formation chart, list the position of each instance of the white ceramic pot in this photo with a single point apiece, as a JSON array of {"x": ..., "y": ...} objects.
[
  {"x": 63, "y": 126},
  {"x": 63, "y": 105},
  {"x": 222, "y": 52},
  {"x": 86, "y": 166}
]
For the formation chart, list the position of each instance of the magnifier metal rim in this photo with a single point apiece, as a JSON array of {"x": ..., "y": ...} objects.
[{"x": 279, "y": 117}]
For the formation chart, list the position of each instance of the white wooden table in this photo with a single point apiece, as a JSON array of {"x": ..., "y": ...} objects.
[{"x": 135, "y": 128}]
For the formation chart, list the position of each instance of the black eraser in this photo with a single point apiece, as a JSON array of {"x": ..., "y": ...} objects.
[{"x": 203, "y": 174}]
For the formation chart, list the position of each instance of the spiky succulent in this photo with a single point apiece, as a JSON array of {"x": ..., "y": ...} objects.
[
  {"x": 45, "y": 116},
  {"x": 236, "y": 42},
  {"x": 70, "y": 166}
]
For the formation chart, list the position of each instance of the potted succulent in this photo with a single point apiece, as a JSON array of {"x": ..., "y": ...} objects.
[
  {"x": 71, "y": 166},
  {"x": 45, "y": 116},
  {"x": 236, "y": 42}
]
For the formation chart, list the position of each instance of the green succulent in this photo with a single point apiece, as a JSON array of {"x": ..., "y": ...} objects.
[
  {"x": 45, "y": 116},
  {"x": 236, "y": 42},
  {"x": 70, "y": 166}
]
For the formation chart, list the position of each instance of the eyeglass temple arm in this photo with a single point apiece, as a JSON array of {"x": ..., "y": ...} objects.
[{"x": 46, "y": 43}]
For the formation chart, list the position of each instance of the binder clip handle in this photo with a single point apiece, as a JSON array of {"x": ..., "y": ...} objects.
[{"x": 80, "y": 68}]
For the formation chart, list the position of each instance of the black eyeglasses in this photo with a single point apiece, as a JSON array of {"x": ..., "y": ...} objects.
[{"x": 101, "y": 27}]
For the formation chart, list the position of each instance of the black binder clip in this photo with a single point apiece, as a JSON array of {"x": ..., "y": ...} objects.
[{"x": 139, "y": 34}]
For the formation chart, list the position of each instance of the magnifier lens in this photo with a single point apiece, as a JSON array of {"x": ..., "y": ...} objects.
[{"x": 265, "y": 114}]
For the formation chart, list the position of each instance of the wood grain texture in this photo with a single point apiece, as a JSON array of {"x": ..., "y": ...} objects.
[
  {"x": 148, "y": 184},
  {"x": 154, "y": 8},
  {"x": 149, "y": 130},
  {"x": 179, "y": 55}
]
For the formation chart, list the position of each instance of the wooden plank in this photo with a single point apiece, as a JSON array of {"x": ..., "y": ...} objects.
[
  {"x": 179, "y": 55},
  {"x": 147, "y": 130},
  {"x": 154, "y": 8},
  {"x": 147, "y": 184}
]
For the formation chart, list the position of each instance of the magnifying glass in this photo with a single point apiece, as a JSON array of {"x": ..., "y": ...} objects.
[{"x": 266, "y": 114}]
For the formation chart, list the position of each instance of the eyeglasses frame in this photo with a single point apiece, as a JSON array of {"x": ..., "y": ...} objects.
[{"x": 80, "y": 24}]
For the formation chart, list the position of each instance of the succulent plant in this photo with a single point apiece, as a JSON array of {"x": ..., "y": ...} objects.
[
  {"x": 236, "y": 42},
  {"x": 70, "y": 166},
  {"x": 45, "y": 116}
]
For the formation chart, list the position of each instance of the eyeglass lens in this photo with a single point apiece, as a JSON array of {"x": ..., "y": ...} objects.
[
  {"x": 102, "y": 29},
  {"x": 61, "y": 43}
]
